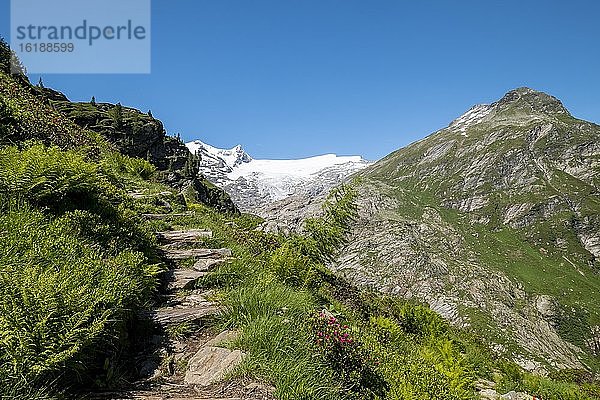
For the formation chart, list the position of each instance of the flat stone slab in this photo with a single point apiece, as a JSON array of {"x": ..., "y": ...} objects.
[
  {"x": 207, "y": 264},
  {"x": 143, "y": 195},
  {"x": 166, "y": 216},
  {"x": 178, "y": 254},
  {"x": 512, "y": 395},
  {"x": 184, "y": 279},
  {"x": 178, "y": 315},
  {"x": 196, "y": 299},
  {"x": 188, "y": 236},
  {"x": 211, "y": 364}
]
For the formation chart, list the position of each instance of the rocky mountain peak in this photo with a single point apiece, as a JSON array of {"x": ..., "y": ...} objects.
[
  {"x": 474, "y": 116},
  {"x": 221, "y": 158},
  {"x": 521, "y": 104},
  {"x": 535, "y": 101}
]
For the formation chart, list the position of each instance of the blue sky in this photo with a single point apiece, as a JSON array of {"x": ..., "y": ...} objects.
[{"x": 292, "y": 78}]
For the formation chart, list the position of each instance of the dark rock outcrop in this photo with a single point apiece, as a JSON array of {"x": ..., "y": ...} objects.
[{"x": 138, "y": 134}]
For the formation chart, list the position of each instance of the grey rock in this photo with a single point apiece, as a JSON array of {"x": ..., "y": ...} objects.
[
  {"x": 177, "y": 315},
  {"x": 211, "y": 364},
  {"x": 489, "y": 394},
  {"x": 179, "y": 254},
  {"x": 187, "y": 236},
  {"x": 207, "y": 264},
  {"x": 512, "y": 395},
  {"x": 184, "y": 279}
]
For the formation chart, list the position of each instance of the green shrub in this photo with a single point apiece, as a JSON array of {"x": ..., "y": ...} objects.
[
  {"x": 352, "y": 363},
  {"x": 299, "y": 259},
  {"x": 119, "y": 166},
  {"x": 324, "y": 235},
  {"x": 422, "y": 321},
  {"x": 417, "y": 367},
  {"x": 292, "y": 265},
  {"x": 61, "y": 300},
  {"x": 50, "y": 177},
  {"x": 73, "y": 269}
]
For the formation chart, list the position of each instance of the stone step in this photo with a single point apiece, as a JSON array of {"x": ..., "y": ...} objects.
[
  {"x": 184, "y": 279},
  {"x": 208, "y": 264},
  {"x": 188, "y": 236},
  {"x": 192, "y": 299},
  {"x": 148, "y": 395},
  {"x": 182, "y": 254},
  {"x": 167, "y": 216},
  {"x": 180, "y": 314},
  {"x": 211, "y": 364},
  {"x": 143, "y": 195},
  {"x": 196, "y": 298},
  {"x": 182, "y": 245}
]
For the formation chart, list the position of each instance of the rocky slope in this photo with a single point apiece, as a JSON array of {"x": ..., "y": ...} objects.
[
  {"x": 495, "y": 222},
  {"x": 255, "y": 185}
]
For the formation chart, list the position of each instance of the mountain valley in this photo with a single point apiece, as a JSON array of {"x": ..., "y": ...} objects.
[{"x": 133, "y": 265}]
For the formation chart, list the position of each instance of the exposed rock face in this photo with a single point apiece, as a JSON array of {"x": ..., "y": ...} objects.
[
  {"x": 205, "y": 192},
  {"x": 494, "y": 222},
  {"x": 135, "y": 134},
  {"x": 140, "y": 135}
]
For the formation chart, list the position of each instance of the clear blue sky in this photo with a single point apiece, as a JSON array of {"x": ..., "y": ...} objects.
[{"x": 291, "y": 78}]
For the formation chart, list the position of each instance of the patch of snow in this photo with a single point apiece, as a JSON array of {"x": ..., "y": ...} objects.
[{"x": 474, "y": 116}]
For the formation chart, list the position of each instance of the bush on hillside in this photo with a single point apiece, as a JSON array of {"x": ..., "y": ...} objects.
[
  {"x": 117, "y": 165},
  {"x": 61, "y": 300},
  {"x": 73, "y": 268},
  {"x": 300, "y": 259},
  {"x": 353, "y": 364}
]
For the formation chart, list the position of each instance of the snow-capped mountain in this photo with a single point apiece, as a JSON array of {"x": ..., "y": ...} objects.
[{"x": 254, "y": 184}]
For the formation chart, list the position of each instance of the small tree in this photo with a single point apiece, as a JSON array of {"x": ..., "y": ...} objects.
[
  {"x": 191, "y": 167},
  {"x": 5, "y": 55},
  {"x": 9, "y": 62},
  {"x": 117, "y": 115}
]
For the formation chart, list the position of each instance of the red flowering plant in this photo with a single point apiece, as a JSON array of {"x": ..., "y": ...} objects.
[{"x": 352, "y": 363}]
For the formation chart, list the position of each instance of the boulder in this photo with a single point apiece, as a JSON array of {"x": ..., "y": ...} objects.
[{"x": 211, "y": 364}]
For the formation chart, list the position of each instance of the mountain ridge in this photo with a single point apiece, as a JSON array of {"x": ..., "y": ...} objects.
[{"x": 520, "y": 175}]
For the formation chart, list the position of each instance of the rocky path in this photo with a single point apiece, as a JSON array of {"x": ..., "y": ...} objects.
[{"x": 189, "y": 361}]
